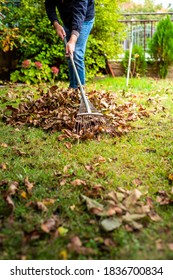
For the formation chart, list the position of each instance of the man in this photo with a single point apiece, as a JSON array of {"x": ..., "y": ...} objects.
[{"x": 78, "y": 18}]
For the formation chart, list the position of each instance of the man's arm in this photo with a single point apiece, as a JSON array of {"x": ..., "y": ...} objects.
[
  {"x": 51, "y": 12},
  {"x": 79, "y": 13}
]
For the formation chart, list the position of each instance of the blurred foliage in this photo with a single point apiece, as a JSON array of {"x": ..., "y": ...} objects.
[
  {"x": 161, "y": 46},
  {"x": 33, "y": 37}
]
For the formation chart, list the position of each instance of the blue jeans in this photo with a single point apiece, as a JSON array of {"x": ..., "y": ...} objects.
[{"x": 79, "y": 53}]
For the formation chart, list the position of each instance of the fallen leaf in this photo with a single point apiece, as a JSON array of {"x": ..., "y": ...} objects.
[
  {"x": 75, "y": 245},
  {"x": 149, "y": 202},
  {"x": 170, "y": 177},
  {"x": 110, "y": 224},
  {"x": 10, "y": 202},
  {"x": 163, "y": 198},
  {"x": 76, "y": 242},
  {"x": 3, "y": 166},
  {"x": 72, "y": 207},
  {"x": 4, "y": 145},
  {"x": 40, "y": 205},
  {"x": 48, "y": 201},
  {"x": 109, "y": 242},
  {"x": 63, "y": 254},
  {"x": 68, "y": 145},
  {"x": 78, "y": 182},
  {"x": 154, "y": 216},
  {"x": 170, "y": 246},
  {"x": 89, "y": 167},
  {"x": 3, "y": 182},
  {"x": 137, "y": 182},
  {"x": 135, "y": 225},
  {"x": 132, "y": 217},
  {"x": 28, "y": 185},
  {"x": 18, "y": 152},
  {"x": 13, "y": 187},
  {"x": 66, "y": 168},
  {"x": 92, "y": 205},
  {"x": 159, "y": 245},
  {"x": 63, "y": 182},
  {"x": 113, "y": 195},
  {"x": 62, "y": 231},
  {"x": 24, "y": 195},
  {"x": 132, "y": 198},
  {"x": 49, "y": 225}
]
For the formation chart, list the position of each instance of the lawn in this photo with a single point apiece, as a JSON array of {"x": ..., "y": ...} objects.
[{"x": 105, "y": 198}]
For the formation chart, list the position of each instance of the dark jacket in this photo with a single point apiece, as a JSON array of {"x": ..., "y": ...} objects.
[{"x": 72, "y": 12}]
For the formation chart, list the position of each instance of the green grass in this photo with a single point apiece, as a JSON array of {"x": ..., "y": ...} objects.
[{"x": 145, "y": 153}]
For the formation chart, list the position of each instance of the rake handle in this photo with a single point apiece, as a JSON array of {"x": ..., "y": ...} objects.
[{"x": 79, "y": 81}]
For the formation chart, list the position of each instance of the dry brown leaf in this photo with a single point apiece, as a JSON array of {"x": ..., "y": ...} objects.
[
  {"x": 137, "y": 182},
  {"x": 28, "y": 185},
  {"x": 48, "y": 201},
  {"x": 92, "y": 205},
  {"x": 100, "y": 159},
  {"x": 66, "y": 168},
  {"x": 75, "y": 240},
  {"x": 63, "y": 182},
  {"x": 112, "y": 195},
  {"x": 78, "y": 182},
  {"x": 170, "y": 246},
  {"x": 3, "y": 166},
  {"x": 89, "y": 168},
  {"x": 13, "y": 187},
  {"x": 163, "y": 198},
  {"x": 10, "y": 202},
  {"x": 149, "y": 202},
  {"x": 3, "y": 182},
  {"x": 68, "y": 145},
  {"x": 128, "y": 218},
  {"x": 49, "y": 225},
  {"x": 75, "y": 245},
  {"x": 4, "y": 145},
  {"x": 18, "y": 152},
  {"x": 109, "y": 242},
  {"x": 154, "y": 216},
  {"x": 132, "y": 198},
  {"x": 40, "y": 205},
  {"x": 135, "y": 225},
  {"x": 159, "y": 245}
]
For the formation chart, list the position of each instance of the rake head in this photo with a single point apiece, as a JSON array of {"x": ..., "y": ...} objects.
[{"x": 89, "y": 121}]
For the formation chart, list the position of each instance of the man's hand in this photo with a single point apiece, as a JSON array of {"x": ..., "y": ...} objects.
[
  {"x": 70, "y": 47},
  {"x": 59, "y": 30}
]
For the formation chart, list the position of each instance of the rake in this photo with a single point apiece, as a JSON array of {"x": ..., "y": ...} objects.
[{"x": 88, "y": 119}]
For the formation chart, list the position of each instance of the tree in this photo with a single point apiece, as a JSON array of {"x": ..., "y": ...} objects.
[
  {"x": 147, "y": 7},
  {"x": 161, "y": 46}
]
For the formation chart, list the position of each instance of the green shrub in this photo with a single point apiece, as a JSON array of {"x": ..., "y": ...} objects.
[
  {"x": 34, "y": 72},
  {"x": 161, "y": 46},
  {"x": 138, "y": 63},
  {"x": 38, "y": 41}
]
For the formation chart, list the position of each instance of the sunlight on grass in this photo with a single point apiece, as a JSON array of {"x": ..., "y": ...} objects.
[{"x": 140, "y": 159}]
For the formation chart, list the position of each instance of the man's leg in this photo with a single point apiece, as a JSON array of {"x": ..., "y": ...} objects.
[{"x": 79, "y": 54}]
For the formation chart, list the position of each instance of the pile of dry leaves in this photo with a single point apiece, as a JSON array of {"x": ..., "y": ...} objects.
[{"x": 56, "y": 110}]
